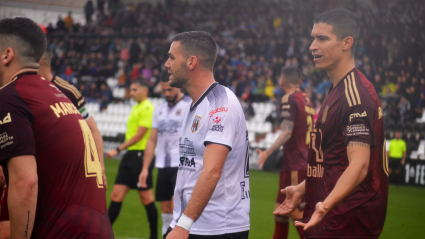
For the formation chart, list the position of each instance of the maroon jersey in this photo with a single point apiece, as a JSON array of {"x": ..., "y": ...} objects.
[
  {"x": 297, "y": 108},
  {"x": 38, "y": 119},
  {"x": 351, "y": 111},
  {"x": 70, "y": 91}
]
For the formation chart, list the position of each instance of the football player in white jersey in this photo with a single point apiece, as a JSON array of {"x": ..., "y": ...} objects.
[
  {"x": 211, "y": 199},
  {"x": 166, "y": 127}
]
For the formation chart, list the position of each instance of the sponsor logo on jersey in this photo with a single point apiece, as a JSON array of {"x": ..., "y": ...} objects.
[
  {"x": 286, "y": 107},
  {"x": 56, "y": 88},
  {"x": 325, "y": 113},
  {"x": 195, "y": 124},
  {"x": 357, "y": 129},
  {"x": 315, "y": 171},
  {"x": 217, "y": 120},
  {"x": 358, "y": 115},
  {"x": 217, "y": 127},
  {"x": 221, "y": 109},
  {"x": 6, "y": 119},
  {"x": 5, "y": 140},
  {"x": 186, "y": 147}
]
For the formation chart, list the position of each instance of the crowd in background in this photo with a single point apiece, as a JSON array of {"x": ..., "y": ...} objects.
[{"x": 255, "y": 40}]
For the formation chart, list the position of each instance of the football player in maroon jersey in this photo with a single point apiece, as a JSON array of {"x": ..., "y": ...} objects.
[{"x": 347, "y": 168}]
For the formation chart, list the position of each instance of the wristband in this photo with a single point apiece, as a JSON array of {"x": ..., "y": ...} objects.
[
  {"x": 118, "y": 149},
  {"x": 185, "y": 222}
]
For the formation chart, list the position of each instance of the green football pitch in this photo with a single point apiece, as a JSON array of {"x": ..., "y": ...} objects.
[{"x": 405, "y": 216}]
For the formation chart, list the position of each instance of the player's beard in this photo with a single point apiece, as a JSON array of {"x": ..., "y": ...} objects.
[
  {"x": 171, "y": 100},
  {"x": 180, "y": 77}
]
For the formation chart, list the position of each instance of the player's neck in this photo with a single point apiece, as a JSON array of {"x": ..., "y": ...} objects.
[
  {"x": 179, "y": 97},
  {"x": 291, "y": 89},
  {"x": 340, "y": 70},
  {"x": 46, "y": 73},
  {"x": 142, "y": 99},
  {"x": 14, "y": 71},
  {"x": 198, "y": 84}
]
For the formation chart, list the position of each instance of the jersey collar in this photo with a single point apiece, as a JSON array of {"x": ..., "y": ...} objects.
[
  {"x": 193, "y": 106},
  {"x": 20, "y": 73}
]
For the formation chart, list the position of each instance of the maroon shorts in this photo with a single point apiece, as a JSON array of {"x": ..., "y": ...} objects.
[
  {"x": 4, "y": 212},
  {"x": 288, "y": 178}
]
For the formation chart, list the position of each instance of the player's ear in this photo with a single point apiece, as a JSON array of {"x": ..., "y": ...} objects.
[
  {"x": 347, "y": 43},
  {"x": 192, "y": 62},
  {"x": 7, "y": 55}
]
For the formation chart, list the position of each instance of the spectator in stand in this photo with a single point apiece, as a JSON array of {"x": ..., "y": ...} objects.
[
  {"x": 405, "y": 109},
  {"x": 88, "y": 11},
  {"x": 69, "y": 21},
  {"x": 60, "y": 24}
]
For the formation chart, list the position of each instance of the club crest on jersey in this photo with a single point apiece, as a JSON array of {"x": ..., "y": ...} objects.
[
  {"x": 6, "y": 119},
  {"x": 325, "y": 113},
  {"x": 178, "y": 112},
  {"x": 195, "y": 124}
]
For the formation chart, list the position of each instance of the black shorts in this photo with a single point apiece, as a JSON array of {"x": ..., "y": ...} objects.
[
  {"x": 394, "y": 163},
  {"x": 236, "y": 235},
  {"x": 130, "y": 167},
  {"x": 165, "y": 183}
]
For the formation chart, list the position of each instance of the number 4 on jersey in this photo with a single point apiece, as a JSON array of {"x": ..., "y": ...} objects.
[{"x": 91, "y": 159}]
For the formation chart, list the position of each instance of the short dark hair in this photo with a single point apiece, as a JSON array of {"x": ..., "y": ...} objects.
[
  {"x": 199, "y": 44},
  {"x": 48, "y": 55},
  {"x": 24, "y": 36},
  {"x": 344, "y": 23},
  {"x": 140, "y": 82},
  {"x": 292, "y": 75}
]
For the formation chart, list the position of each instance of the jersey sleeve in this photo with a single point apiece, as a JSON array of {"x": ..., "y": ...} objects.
[
  {"x": 71, "y": 92},
  {"x": 289, "y": 108},
  {"x": 155, "y": 118},
  {"x": 222, "y": 123},
  {"x": 357, "y": 123},
  {"x": 145, "y": 117},
  {"x": 16, "y": 133}
]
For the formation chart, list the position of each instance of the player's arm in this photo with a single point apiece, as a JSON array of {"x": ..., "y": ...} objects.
[
  {"x": 141, "y": 131},
  {"x": 358, "y": 154},
  {"x": 287, "y": 128},
  {"x": 294, "y": 195},
  {"x": 214, "y": 158},
  {"x": 98, "y": 140},
  {"x": 22, "y": 197},
  {"x": 403, "y": 160},
  {"x": 148, "y": 157}
]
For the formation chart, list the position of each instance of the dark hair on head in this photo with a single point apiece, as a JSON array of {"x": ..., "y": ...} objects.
[
  {"x": 344, "y": 23},
  {"x": 24, "y": 36},
  {"x": 48, "y": 55},
  {"x": 141, "y": 82},
  {"x": 292, "y": 75},
  {"x": 199, "y": 44}
]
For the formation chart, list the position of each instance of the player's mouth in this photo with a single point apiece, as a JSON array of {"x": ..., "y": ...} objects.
[{"x": 317, "y": 57}]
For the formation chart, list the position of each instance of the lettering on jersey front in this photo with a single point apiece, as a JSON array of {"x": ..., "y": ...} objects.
[
  {"x": 186, "y": 147},
  {"x": 325, "y": 113},
  {"x": 195, "y": 124},
  {"x": 244, "y": 194},
  {"x": 5, "y": 140},
  {"x": 6, "y": 119},
  {"x": 315, "y": 171},
  {"x": 358, "y": 115},
  {"x": 221, "y": 109},
  {"x": 64, "y": 108},
  {"x": 357, "y": 129},
  {"x": 217, "y": 127}
]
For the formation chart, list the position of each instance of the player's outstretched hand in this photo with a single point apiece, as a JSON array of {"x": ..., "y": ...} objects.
[
  {"x": 111, "y": 153},
  {"x": 317, "y": 216},
  {"x": 142, "y": 178},
  {"x": 178, "y": 233},
  {"x": 292, "y": 201},
  {"x": 262, "y": 157}
]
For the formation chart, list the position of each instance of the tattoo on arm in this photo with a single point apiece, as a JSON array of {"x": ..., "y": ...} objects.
[
  {"x": 287, "y": 127},
  {"x": 28, "y": 222},
  {"x": 361, "y": 144}
]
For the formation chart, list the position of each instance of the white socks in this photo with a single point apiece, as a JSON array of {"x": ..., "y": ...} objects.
[{"x": 166, "y": 221}]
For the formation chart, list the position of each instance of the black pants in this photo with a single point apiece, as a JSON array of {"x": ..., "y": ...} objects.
[{"x": 236, "y": 235}]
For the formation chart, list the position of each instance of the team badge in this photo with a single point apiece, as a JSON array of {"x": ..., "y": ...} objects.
[
  {"x": 195, "y": 124},
  {"x": 178, "y": 112},
  {"x": 325, "y": 113}
]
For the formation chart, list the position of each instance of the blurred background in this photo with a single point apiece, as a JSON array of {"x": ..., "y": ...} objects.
[{"x": 100, "y": 46}]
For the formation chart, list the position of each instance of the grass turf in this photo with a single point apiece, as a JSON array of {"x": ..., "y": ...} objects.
[{"x": 405, "y": 215}]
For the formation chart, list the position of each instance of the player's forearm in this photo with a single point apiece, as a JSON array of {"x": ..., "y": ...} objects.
[
  {"x": 353, "y": 175},
  {"x": 202, "y": 193},
  {"x": 136, "y": 138},
  {"x": 149, "y": 152},
  {"x": 301, "y": 188},
  {"x": 287, "y": 127}
]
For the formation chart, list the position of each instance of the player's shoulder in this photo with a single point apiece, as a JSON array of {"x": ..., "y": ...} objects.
[
  {"x": 356, "y": 90},
  {"x": 220, "y": 96}
]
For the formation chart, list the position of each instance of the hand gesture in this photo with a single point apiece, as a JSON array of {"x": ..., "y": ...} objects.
[
  {"x": 111, "y": 153},
  {"x": 293, "y": 199},
  {"x": 318, "y": 215},
  {"x": 262, "y": 157},
  {"x": 142, "y": 178},
  {"x": 178, "y": 233}
]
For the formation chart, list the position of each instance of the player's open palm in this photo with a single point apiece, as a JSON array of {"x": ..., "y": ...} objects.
[
  {"x": 262, "y": 157},
  {"x": 142, "y": 178},
  {"x": 292, "y": 201},
  {"x": 317, "y": 216}
]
